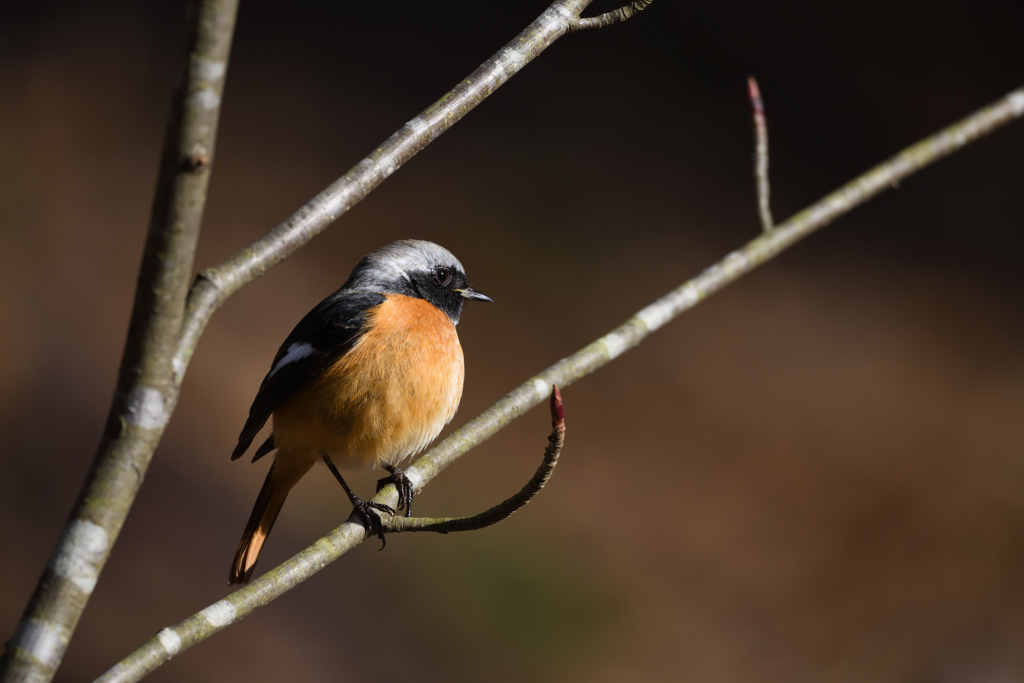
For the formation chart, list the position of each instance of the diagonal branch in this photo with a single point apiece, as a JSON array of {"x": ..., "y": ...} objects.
[
  {"x": 609, "y": 18},
  {"x": 507, "y": 507},
  {"x": 145, "y": 387},
  {"x": 764, "y": 207},
  {"x": 214, "y": 285},
  {"x": 736, "y": 264},
  {"x": 170, "y": 641}
]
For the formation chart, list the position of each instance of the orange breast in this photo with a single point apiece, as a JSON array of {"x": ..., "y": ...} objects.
[{"x": 384, "y": 400}]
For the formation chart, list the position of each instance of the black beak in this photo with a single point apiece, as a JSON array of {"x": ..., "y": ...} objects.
[{"x": 470, "y": 293}]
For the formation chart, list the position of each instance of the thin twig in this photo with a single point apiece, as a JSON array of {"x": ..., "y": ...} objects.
[
  {"x": 506, "y": 508},
  {"x": 139, "y": 412},
  {"x": 764, "y": 207},
  {"x": 170, "y": 641},
  {"x": 609, "y": 18}
]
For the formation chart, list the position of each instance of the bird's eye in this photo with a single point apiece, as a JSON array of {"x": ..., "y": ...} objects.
[{"x": 443, "y": 276}]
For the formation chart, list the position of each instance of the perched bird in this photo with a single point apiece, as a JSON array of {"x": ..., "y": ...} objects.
[{"x": 367, "y": 378}]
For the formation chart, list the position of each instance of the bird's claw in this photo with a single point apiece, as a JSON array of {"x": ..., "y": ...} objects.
[
  {"x": 371, "y": 520},
  {"x": 404, "y": 486}
]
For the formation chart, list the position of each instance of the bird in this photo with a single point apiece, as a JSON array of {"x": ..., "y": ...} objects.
[{"x": 367, "y": 378}]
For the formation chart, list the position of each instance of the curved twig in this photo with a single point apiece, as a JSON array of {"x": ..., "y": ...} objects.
[
  {"x": 507, "y": 507},
  {"x": 764, "y": 207},
  {"x": 169, "y": 642},
  {"x": 139, "y": 411},
  {"x": 172, "y": 640},
  {"x": 609, "y": 18}
]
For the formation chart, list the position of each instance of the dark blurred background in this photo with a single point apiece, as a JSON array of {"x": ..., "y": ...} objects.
[{"x": 814, "y": 476}]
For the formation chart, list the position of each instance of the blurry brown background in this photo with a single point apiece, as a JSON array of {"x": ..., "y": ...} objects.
[{"x": 814, "y": 476}]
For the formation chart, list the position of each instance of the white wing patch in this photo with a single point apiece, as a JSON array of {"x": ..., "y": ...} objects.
[{"x": 296, "y": 351}]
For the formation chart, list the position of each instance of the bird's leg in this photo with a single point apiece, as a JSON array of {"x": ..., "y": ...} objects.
[
  {"x": 364, "y": 508},
  {"x": 402, "y": 483}
]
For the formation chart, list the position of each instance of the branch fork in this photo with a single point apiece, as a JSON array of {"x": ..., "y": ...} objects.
[{"x": 608, "y": 18}]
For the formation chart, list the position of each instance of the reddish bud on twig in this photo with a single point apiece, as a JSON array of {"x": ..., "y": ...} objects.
[{"x": 557, "y": 411}]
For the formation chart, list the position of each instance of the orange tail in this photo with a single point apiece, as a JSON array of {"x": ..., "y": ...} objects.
[{"x": 279, "y": 482}]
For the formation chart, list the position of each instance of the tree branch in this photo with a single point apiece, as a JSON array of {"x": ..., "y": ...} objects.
[
  {"x": 138, "y": 414},
  {"x": 170, "y": 641},
  {"x": 764, "y": 208},
  {"x": 507, "y": 507},
  {"x": 609, "y": 18},
  {"x": 734, "y": 265},
  {"x": 214, "y": 285}
]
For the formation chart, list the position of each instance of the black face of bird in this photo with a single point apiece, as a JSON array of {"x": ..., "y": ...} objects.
[
  {"x": 417, "y": 268},
  {"x": 446, "y": 288}
]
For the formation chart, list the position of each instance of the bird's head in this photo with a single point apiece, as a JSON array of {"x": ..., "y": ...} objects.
[{"x": 416, "y": 268}]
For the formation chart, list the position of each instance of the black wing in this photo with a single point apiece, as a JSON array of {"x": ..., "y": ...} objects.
[{"x": 321, "y": 338}]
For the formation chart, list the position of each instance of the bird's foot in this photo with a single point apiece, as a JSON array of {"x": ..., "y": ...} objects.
[
  {"x": 403, "y": 484},
  {"x": 371, "y": 519}
]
